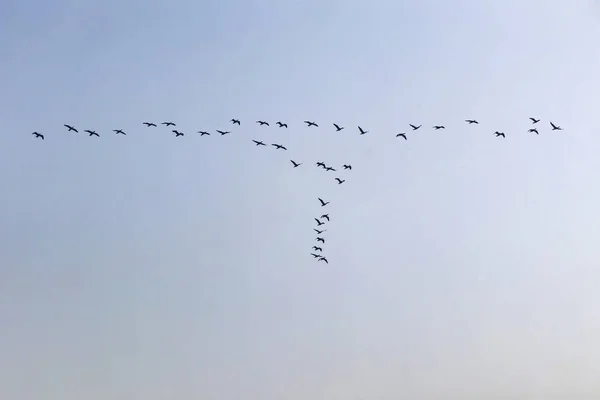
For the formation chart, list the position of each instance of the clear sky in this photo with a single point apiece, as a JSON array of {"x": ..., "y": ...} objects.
[{"x": 152, "y": 267}]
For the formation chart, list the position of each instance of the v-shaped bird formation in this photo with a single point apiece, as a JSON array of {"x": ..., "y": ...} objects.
[{"x": 324, "y": 218}]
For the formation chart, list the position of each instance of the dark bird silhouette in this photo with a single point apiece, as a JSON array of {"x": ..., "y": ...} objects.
[
  {"x": 202, "y": 133},
  {"x": 317, "y": 248},
  {"x": 415, "y": 127},
  {"x": 296, "y": 165},
  {"x": 177, "y": 133},
  {"x": 310, "y": 123},
  {"x": 258, "y": 143},
  {"x": 318, "y": 231},
  {"x": 321, "y": 164},
  {"x": 71, "y": 128},
  {"x": 223, "y": 132},
  {"x": 533, "y": 130},
  {"x": 92, "y": 133},
  {"x": 555, "y": 127},
  {"x": 338, "y": 128},
  {"x": 330, "y": 169},
  {"x": 168, "y": 123},
  {"x": 319, "y": 223},
  {"x": 340, "y": 181},
  {"x": 402, "y": 135},
  {"x": 436, "y": 127},
  {"x": 323, "y": 259},
  {"x": 498, "y": 134},
  {"x": 323, "y": 203},
  {"x": 533, "y": 120},
  {"x": 278, "y": 146},
  {"x": 235, "y": 121},
  {"x": 119, "y": 132},
  {"x": 149, "y": 124},
  {"x": 320, "y": 239},
  {"x": 471, "y": 121},
  {"x": 38, "y": 135},
  {"x": 281, "y": 124},
  {"x": 315, "y": 255},
  {"x": 347, "y": 166},
  {"x": 362, "y": 131},
  {"x": 326, "y": 216},
  {"x": 262, "y": 123}
]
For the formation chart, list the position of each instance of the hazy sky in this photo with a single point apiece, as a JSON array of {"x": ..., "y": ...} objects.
[{"x": 149, "y": 267}]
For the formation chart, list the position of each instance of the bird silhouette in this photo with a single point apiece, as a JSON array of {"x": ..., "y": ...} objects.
[
  {"x": 319, "y": 223},
  {"x": 533, "y": 130},
  {"x": 318, "y": 231},
  {"x": 555, "y": 127},
  {"x": 498, "y": 134},
  {"x": 323, "y": 203},
  {"x": 436, "y": 127},
  {"x": 362, "y": 131},
  {"x": 315, "y": 255},
  {"x": 71, "y": 128},
  {"x": 92, "y": 133},
  {"x": 347, "y": 166},
  {"x": 317, "y": 248},
  {"x": 262, "y": 123},
  {"x": 149, "y": 124},
  {"x": 168, "y": 123},
  {"x": 330, "y": 169},
  {"x": 38, "y": 135},
  {"x": 296, "y": 165},
  {"x": 235, "y": 121},
  {"x": 321, "y": 164},
  {"x": 323, "y": 259},
  {"x": 258, "y": 143},
  {"x": 340, "y": 181},
  {"x": 278, "y": 146},
  {"x": 223, "y": 132},
  {"x": 320, "y": 239},
  {"x": 177, "y": 133},
  {"x": 533, "y": 120},
  {"x": 415, "y": 127},
  {"x": 402, "y": 135},
  {"x": 281, "y": 124},
  {"x": 326, "y": 216},
  {"x": 471, "y": 121},
  {"x": 119, "y": 132},
  {"x": 310, "y": 123},
  {"x": 337, "y": 127},
  {"x": 202, "y": 133}
]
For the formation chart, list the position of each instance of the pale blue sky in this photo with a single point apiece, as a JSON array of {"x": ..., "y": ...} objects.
[{"x": 144, "y": 267}]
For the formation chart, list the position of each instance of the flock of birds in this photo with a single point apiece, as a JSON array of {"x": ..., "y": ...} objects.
[{"x": 317, "y": 249}]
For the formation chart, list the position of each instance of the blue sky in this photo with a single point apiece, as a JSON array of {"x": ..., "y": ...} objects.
[{"x": 149, "y": 267}]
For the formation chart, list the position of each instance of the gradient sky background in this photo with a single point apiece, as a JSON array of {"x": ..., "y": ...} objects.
[{"x": 145, "y": 267}]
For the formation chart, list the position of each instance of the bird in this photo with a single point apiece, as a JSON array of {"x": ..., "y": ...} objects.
[
  {"x": 38, "y": 135},
  {"x": 278, "y": 146},
  {"x": 471, "y": 121},
  {"x": 320, "y": 239},
  {"x": 340, "y": 181},
  {"x": 235, "y": 121},
  {"x": 330, "y": 169},
  {"x": 414, "y": 127},
  {"x": 321, "y": 164},
  {"x": 177, "y": 133},
  {"x": 317, "y": 248},
  {"x": 326, "y": 216},
  {"x": 319, "y": 223},
  {"x": 533, "y": 130},
  {"x": 296, "y": 165},
  {"x": 323, "y": 259},
  {"x": 262, "y": 123},
  {"x": 149, "y": 124},
  {"x": 92, "y": 133},
  {"x": 347, "y": 166},
  {"x": 498, "y": 134},
  {"x": 281, "y": 124},
  {"x": 310, "y": 123},
  {"x": 315, "y": 255},
  {"x": 71, "y": 128},
  {"x": 258, "y": 143},
  {"x": 436, "y": 127},
  {"x": 223, "y": 132},
  {"x": 119, "y": 131},
  {"x": 202, "y": 133},
  {"x": 337, "y": 127},
  {"x": 323, "y": 203},
  {"x": 402, "y": 135},
  {"x": 168, "y": 123},
  {"x": 555, "y": 127},
  {"x": 533, "y": 120},
  {"x": 362, "y": 131},
  {"x": 318, "y": 231}
]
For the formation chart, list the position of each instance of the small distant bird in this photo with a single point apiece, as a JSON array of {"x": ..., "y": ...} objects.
[
  {"x": 119, "y": 132},
  {"x": 436, "y": 127},
  {"x": 71, "y": 128},
  {"x": 202, "y": 133},
  {"x": 362, "y": 131},
  {"x": 330, "y": 169},
  {"x": 310, "y": 123},
  {"x": 149, "y": 124},
  {"x": 235, "y": 121},
  {"x": 323, "y": 203},
  {"x": 415, "y": 127},
  {"x": 555, "y": 127},
  {"x": 498, "y": 134},
  {"x": 92, "y": 133},
  {"x": 262, "y": 123},
  {"x": 258, "y": 143},
  {"x": 347, "y": 166},
  {"x": 321, "y": 164},
  {"x": 168, "y": 123},
  {"x": 533, "y": 130},
  {"x": 317, "y": 248},
  {"x": 278, "y": 146},
  {"x": 223, "y": 132},
  {"x": 38, "y": 135},
  {"x": 315, "y": 255},
  {"x": 402, "y": 135},
  {"x": 296, "y": 165},
  {"x": 340, "y": 181},
  {"x": 281, "y": 124},
  {"x": 533, "y": 120},
  {"x": 320, "y": 239},
  {"x": 323, "y": 259},
  {"x": 177, "y": 133},
  {"x": 319, "y": 223},
  {"x": 318, "y": 231},
  {"x": 326, "y": 216},
  {"x": 338, "y": 128},
  {"x": 471, "y": 121}
]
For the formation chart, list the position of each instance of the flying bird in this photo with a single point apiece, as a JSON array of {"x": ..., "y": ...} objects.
[
  {"x": 315, "y": 255},
  {"x": 362, "y": 131},
  {"x": 223, "y": 132},
  {"x": 555, "y": 127},
  {"x": 71, "y": 128},
  {"x": 202, "y": 133},
  {"x": 471, "y": 121},
  {"x": 92, "y": 133},
  {"x": 317, "y": 248},
  {"x": 323, "y": 203},
  {"x": 119, "y": 132},
  {"x": 533, "y": 120},
  {"x": 296, "y": 165},
  {"x": 38, "y": 135},
  {"x": 310, "y": 123},
  {"x": 281, "y": 124},
  {"x": 177, "y": 133},
  {"x": 262, "y": 123},
  {"x": 168, "y": 123},
  {"x": 347, "y": 166},
  {"x": 320, "y": 239},
  {"x": 149, "y": 124},
  {"x": 415, "y": 127},
  {"x": 330, "y": 169},
  {"x": 337, "y": 127},
  {"x": 319, "y": 223},
  {"x": 533, "y": 130},
  {"x": 321, "y": 164},
  {"x": 326, "y": 216},
  {"x": 278, "y": 146},
  {"x": 340, "y": 181},
  {"x": 235, "y": 121},
  {"x": 258, "y": 143},
  {"x": 318, "y": 231},
  {"x": 436, "y": 127},
  {"x": 323, "y": 259},
  {"x": 498, "y": 134},
  {"x": 402, "y": 135}
]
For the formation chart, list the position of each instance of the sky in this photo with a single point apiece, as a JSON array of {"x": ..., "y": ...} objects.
[{"x": 461, "y": 265}]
